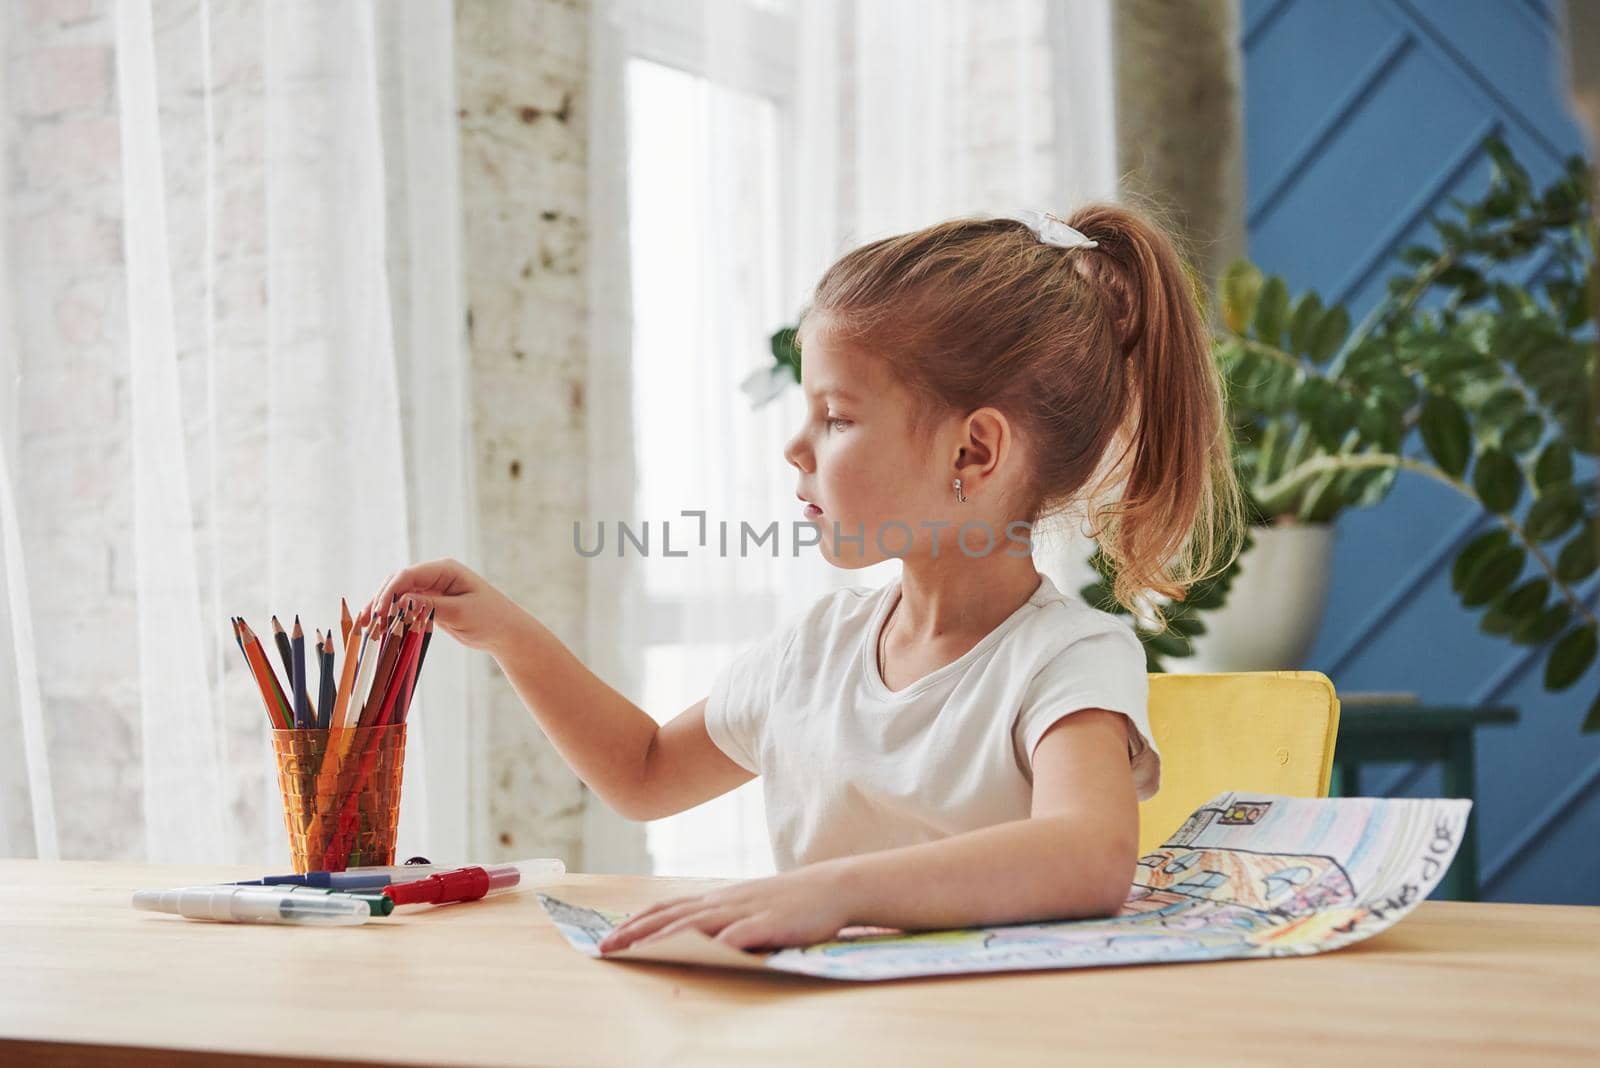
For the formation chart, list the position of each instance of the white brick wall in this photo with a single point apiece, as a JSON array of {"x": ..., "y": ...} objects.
[{"x": 521, "y": 90}]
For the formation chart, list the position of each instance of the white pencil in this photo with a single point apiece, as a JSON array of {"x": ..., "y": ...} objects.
[{"x": 369, "y": 664}]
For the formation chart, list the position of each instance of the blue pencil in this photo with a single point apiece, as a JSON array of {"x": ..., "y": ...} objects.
[
  {"x": 325, "y": 695},
  {"x": 302, "y": 700}
]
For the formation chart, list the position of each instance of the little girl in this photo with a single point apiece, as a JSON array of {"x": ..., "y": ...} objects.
[{"x": 966, "y": 745}]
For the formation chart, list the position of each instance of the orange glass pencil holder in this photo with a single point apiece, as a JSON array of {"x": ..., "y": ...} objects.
[{"x": 341, "y": 794}]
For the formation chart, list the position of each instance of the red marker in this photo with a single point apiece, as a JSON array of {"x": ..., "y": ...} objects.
[{"x": 469, "y": 884}]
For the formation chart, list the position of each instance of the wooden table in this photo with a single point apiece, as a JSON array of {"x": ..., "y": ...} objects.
[{"x": 87, "y": 979}]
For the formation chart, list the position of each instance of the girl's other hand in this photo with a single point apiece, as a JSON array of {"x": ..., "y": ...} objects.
[
  {"x": 794, "y": 908},
  {"x": 465, "y": 606}
]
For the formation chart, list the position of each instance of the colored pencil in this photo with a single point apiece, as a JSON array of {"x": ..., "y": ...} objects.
[
  {"x": 389, "y": 616},
  {"x": 263, "y": 666},
  {"x": 380, "y": 678},
  {"x": 416, "y": 669},
  {"x": 427, "y": 636},
  {"x": 281, "y": 640},
  {"x": 255, "y": 646},
  {"x": 278, "y": 708},
  {"x": 302, "y": 700},
  {"x": 402, "y": 669},
  {"x": 353, "y": 641},
  {"x": 384, "y": 620},
  {"x": 369, "y": 668},
  {"x": 383, "y": 686},
  {"x": 326, "y": 691},
  {"x": 261, "y": 684},
  {"x": 345, "y": 622},
  {"x": 403, "y": 702}
]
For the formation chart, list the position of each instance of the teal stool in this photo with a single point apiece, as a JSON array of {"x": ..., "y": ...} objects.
[{"x": 1387, "y": 732}]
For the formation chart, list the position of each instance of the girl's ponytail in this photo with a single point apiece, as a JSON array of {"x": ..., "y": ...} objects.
[{"x": 1177, "y": 518}]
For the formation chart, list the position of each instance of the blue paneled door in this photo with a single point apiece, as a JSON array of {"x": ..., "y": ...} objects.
[{"x": 1362, "y": 117}]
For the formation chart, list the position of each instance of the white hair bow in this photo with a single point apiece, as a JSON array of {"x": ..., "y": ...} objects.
[{"x": 1053, "y": 230}]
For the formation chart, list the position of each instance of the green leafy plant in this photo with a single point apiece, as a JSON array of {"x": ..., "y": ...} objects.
[{"x": 1459, "y": 375}]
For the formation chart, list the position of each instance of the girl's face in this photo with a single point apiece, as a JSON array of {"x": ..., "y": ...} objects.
[{"x": 858, "y": 462}]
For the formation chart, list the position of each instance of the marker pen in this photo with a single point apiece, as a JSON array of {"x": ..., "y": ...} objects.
[
  {"x": 248, "y": 904},
  {"x": 374, "y": 879},
  {"x": 377, "y": 904},
  {"x": 469, "y": 884}
]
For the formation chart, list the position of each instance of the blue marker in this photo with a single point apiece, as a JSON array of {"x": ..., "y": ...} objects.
[{"x": 354, "y": 879}]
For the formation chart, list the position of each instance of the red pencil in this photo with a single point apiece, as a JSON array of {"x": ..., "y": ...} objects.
[
  {"x": 416, "y": 669},
  {"x": 388, "y": 652},
  {"x": 402, "y": 668}
]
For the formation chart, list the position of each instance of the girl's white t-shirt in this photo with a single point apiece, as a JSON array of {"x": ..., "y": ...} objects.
[{"x": 849, "y": 766}]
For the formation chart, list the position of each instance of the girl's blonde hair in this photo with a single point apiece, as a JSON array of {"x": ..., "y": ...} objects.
[{"x": 1101, "y": 358}]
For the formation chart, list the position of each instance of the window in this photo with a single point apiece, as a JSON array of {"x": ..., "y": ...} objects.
[{"x": 702, "y": 312}]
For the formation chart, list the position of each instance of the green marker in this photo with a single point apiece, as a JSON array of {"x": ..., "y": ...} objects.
[{"x": 377, "y": 904}]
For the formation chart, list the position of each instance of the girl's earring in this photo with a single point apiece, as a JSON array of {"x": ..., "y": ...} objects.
[{"x": 959, "y": 496}]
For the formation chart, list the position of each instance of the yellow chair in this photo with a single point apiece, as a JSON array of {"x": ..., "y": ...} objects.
[{"x": 1264, "y": 731}]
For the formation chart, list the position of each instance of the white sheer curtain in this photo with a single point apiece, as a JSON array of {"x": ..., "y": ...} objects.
[
  {"x": 737, "y": 149},
  {"x": 237, "y": 386}
]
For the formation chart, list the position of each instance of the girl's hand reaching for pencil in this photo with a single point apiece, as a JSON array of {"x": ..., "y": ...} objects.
[{"x": 465, "y": 605}]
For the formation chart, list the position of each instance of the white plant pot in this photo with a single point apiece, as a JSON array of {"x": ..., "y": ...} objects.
[{"x": 1274, "y": 607}]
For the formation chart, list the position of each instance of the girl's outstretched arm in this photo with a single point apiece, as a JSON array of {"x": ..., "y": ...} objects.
[
  {"x": 1074, "y": 857},
  {"x": 613, "y": 745},
  {"x": 643, "y": 771}
]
